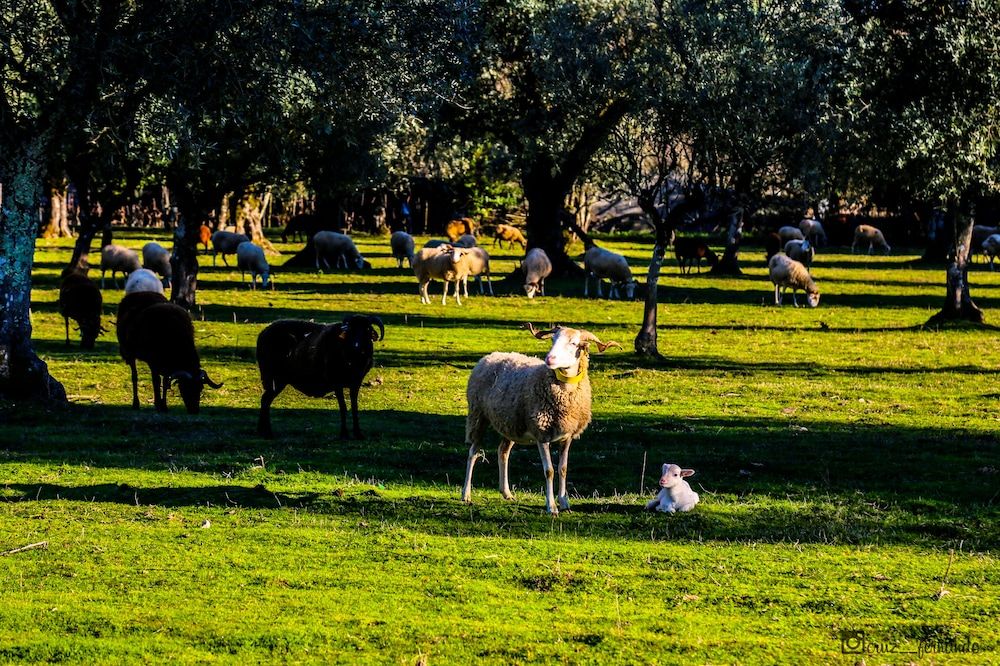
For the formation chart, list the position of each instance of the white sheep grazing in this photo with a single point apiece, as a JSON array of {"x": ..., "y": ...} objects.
[
  {"x": 980, "y": 233},
  {"x": 445, "y": 263},
  {"x": 786, "y": 273},
  {"x": 991, "y": 248},
  {"x": 866, "y": 232},
  {"x": 801, "y": 251},
  {"x": 526, "y": 399},
  {"x": 226, "y": 242},
  {"x": 156, "y": 258},
  {"x": 250, "y": 257},
  {"x": 338, "y": 247},
  {"x": 813, "y": 231},
  {"x": 536, "y": 267},
  {"x": 118, "y": 258},
  {"x": 602, "y": 264},
  {"x": 675, "y": 493},
  {"x": 402, "y": 248},
  {"x": 143, "y": 280},
  {"x": 790, "y": 233},
  {"x": 466, "y": 241},
  {"x": 478, "y": 261}
]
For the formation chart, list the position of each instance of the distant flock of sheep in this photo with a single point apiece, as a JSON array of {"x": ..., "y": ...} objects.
[{"x": 523, "y": 398}]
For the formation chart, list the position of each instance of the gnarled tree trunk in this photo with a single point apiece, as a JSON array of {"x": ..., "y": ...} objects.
[
  {"x": 730, "y": 262},
  {"x": 958, "y": 303},
  {"x": 23, "y": 375}
]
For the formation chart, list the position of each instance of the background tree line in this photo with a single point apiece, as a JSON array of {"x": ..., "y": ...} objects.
[{"x": 693, "y": 107}]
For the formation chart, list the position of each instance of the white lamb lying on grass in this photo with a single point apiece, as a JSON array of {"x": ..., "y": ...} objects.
[{"x": 675, "y": 493}]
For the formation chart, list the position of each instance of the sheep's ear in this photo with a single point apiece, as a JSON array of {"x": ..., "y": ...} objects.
[{"x": 687, "y": 472}]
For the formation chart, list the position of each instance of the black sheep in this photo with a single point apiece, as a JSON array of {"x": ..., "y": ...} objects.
[
  {"x": 160, "y": 333},
  {"x": 81, "y": 301},
  {"x": 316, "y": 359}
]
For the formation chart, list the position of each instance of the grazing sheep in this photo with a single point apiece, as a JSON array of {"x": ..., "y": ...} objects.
[
  {"x": 801, "y": 251},
  {"x": 866, "y": 232},
  {"x": 465, "y": 240},
  {"x": 536, "y": 267},
  {"x": 979, "y": 235},
  {"x": 299, "y": 227},
  {"x": 813, "y": 231},
  {"x": 156, "y": 258},
  {"x": 338, "y": 247},
  {"x": 505, "y": 232},
  {"x": 675, "y": 493},
  {"x": 790, "y": 233},
  {"x": 526, "y": 399},
  {"x": 991, "y": 248},
  {"x": 772, "y": 245},
  {"x": 81, "y": 301},
  {"x": 117, "y": 258},
  {"x": 160, "y": 333},
  {"x": 205, "y": 236},
  {"x": 250, "y": 257},
  {"x": 445, "y": 263},
  {"x": 690, "y": 252},
  {"x": 316, "y": 359},
  {"x": 402, "y": 247},
  {"x": 226, "y": 242},
  {"x": 458, "y": 228},
  {"x": 601, "y": 264},
  {"x": 143, "y": 280},
  {"x": 786, "y": 273},
  {"x": 478, "y": 261}
]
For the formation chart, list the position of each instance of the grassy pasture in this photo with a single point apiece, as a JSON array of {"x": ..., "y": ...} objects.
[{"x": 847, "y": 460}]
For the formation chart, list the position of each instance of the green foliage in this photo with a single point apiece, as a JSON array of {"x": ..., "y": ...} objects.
[{"x": 842, "y": 453}]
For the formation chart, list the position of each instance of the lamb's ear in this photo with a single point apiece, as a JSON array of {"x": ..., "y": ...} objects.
[{"x": 687, "y": 472}]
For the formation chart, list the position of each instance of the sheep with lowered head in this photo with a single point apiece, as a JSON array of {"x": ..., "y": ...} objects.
[
  {"x": 316, "y": 359},
  {"x": 813, "y": 231},
  {"x": 402, "y": 248},
  {"x": 226, "y": 242},
  {"x": 118, "y": 258},
  {"x": 528, "y": 400},
  {"x": 445, "y": 263},
  {"x": 143, "y": 280},
  {"x": 536, "y": 267},
  {"x": 601, "y": 264},
  {"x": 801, "y": 251},
  {"x": 156, "y": 258},
  {"x": 991, "y": 248},
  {"x": 866, "y": 232},
  {"x": 250, "y": 257},
  {"x": 466, "y": 241},
  {"x": 690, "y": 251},
  {"x": 505, "y": 232},
  {"x": 786, "y": 273},
  {"x": 81, "y": 301},
  {"x": 790, "y": 233},
  {"x": 338, "y": 248},
  {"x": 675, "y": 493}
]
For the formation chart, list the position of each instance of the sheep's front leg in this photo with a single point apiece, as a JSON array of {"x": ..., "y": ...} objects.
[
  {"x": 563, "y": 468},
  {"x": 354, "y": 413},
  {"x": 547, "y": 469},
  {"x": 475, "y": 452},
  {"x": 503, "y": 455},
  {"x": 343, "y": 412},
  {"x": 135, "y": 385},
  {"x": 777, "y": 294},
  {"x": 444, "y": 296}
]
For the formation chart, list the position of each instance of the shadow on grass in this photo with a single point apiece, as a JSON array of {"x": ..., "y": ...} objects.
[{"x": 769, "y": 480}]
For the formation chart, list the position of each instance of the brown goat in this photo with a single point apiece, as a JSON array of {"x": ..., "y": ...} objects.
[
  {"x": 690, "y": 252},
  {"x": 505, "y": 232}
]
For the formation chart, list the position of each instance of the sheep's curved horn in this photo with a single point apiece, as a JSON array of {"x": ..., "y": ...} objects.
[
  {"x": 205, "y": 379},
  {"x": 587, "y": 336},
  {"x": 375, "y": 321},
  {"x": 541, "y": 335}
]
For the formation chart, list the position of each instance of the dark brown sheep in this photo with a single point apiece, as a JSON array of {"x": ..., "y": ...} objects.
[
  {"x": 690, "y": 252},
  {"x": 316, "y": 359},
  {"x": 160, "y": 333},
  {"x": 81, "y": 301}
]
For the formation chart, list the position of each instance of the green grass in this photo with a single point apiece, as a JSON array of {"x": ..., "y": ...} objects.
[{"x": 847, "y": 461}]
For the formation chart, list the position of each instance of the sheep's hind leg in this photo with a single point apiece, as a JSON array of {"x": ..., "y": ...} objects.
[
  {"x": 503, "y": 455},
  {"x": 563, "y": 468},
  {"x": 547, "y": 469},
  {"x": 343, "y": 413},
  {"x": 135, "y": 385},
  {"x": 475, "y": 429},
  {"x": 264, "y": 418}
]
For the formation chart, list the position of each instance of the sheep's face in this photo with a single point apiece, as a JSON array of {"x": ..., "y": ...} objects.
[
  {"x": 630, "y": 289},
  {"x": 532, "y": 288},
  {"x": 812, "y": 299},
  {"x": 190, "y": 390},
  {"x": 567, "y": 347},
  {"x": 672, "y": 475}
]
